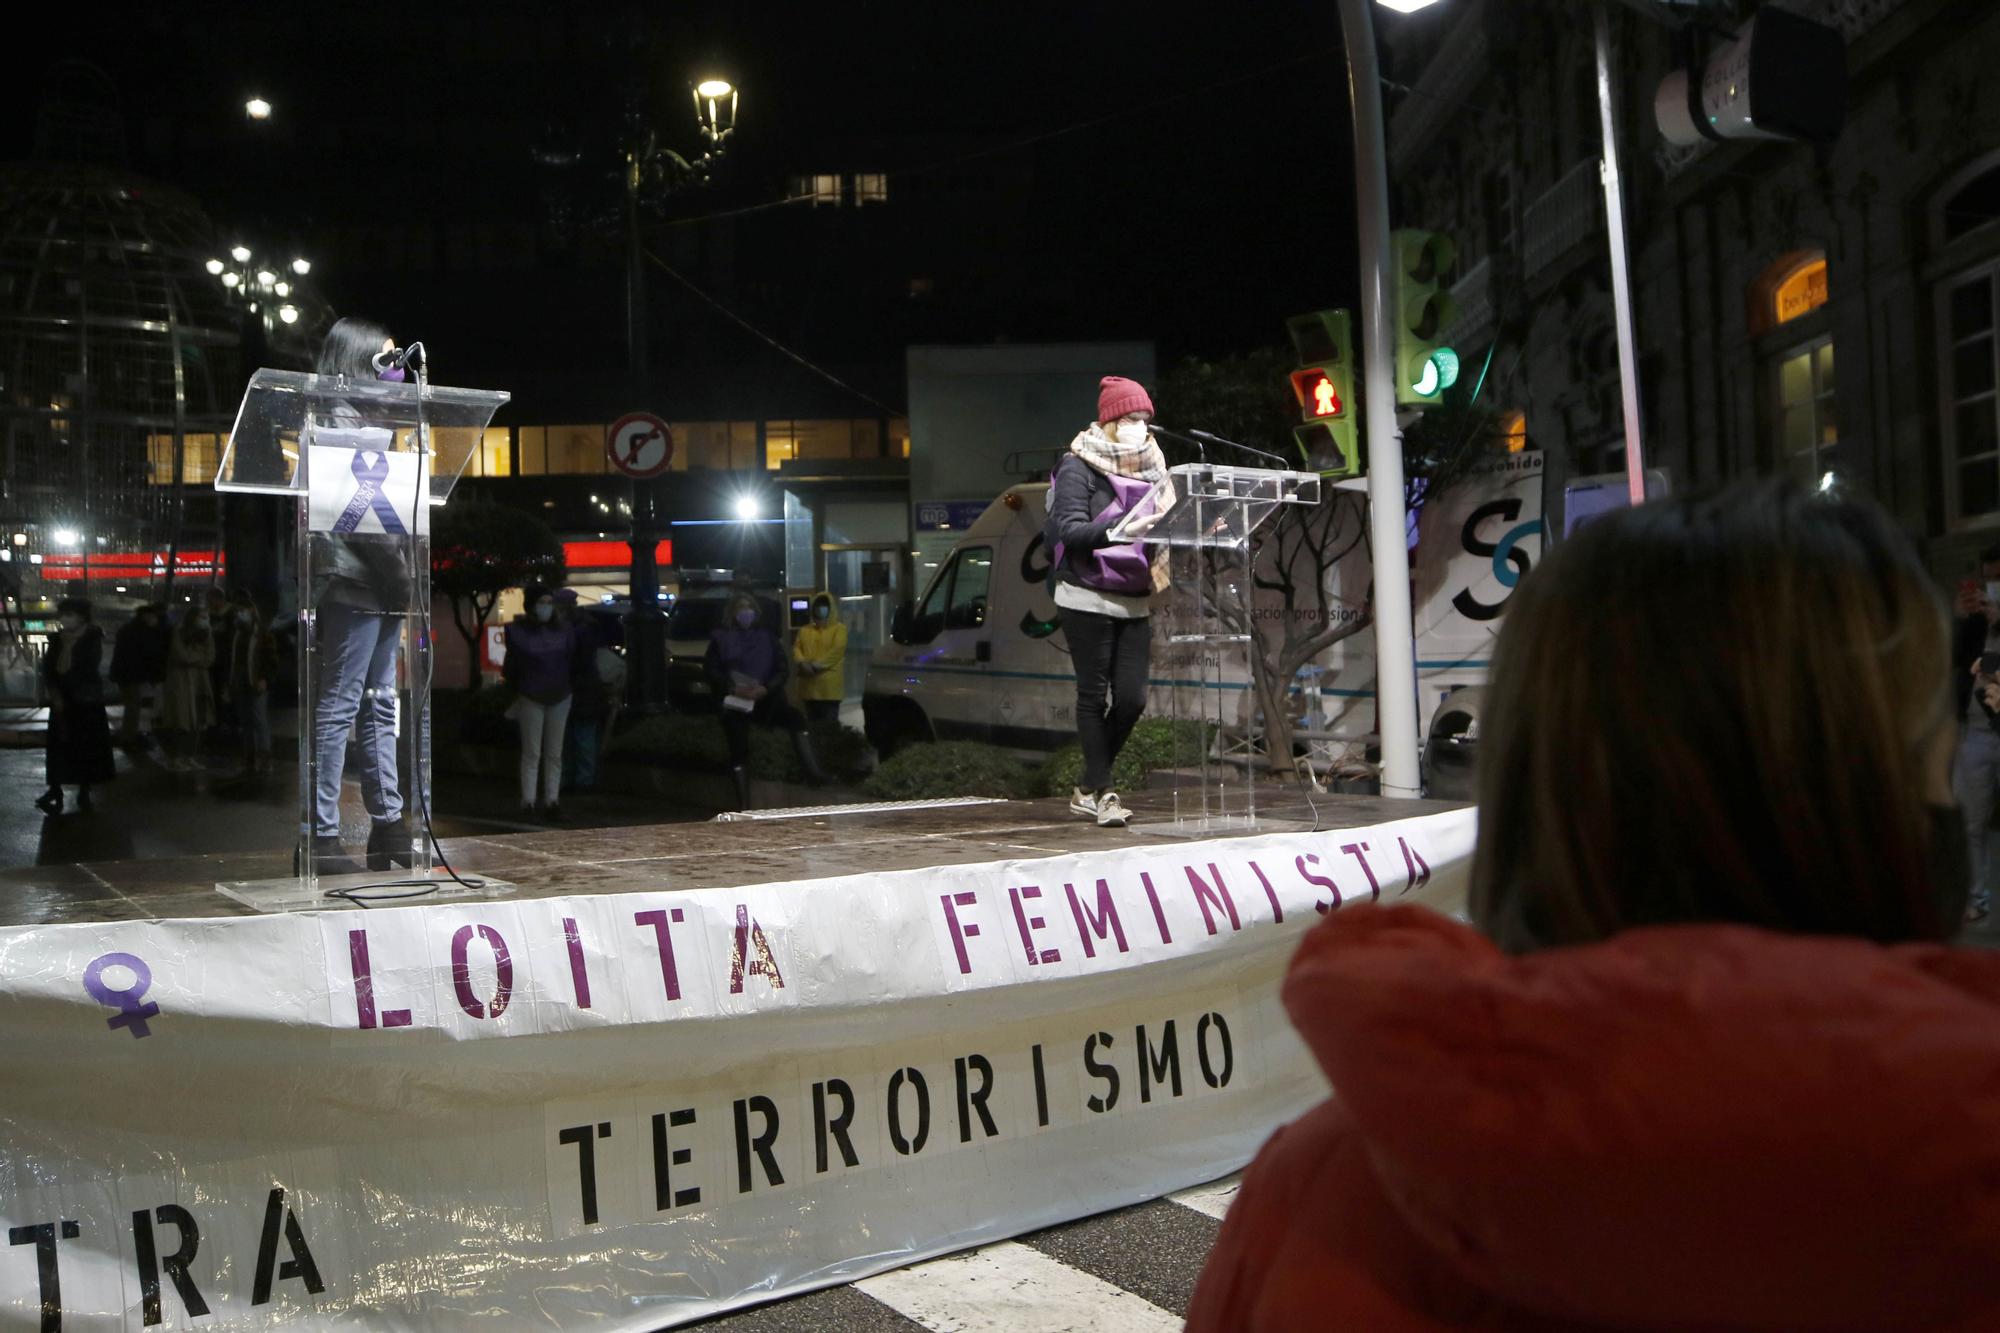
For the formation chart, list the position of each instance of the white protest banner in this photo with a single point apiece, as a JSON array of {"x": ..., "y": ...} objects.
[{"x": 628, "y": 1110}]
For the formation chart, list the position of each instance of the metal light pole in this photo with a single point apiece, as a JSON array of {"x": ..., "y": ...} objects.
[
  {"x": 648, "y": 164},
  {"x": 1621, "y": 273},
  {"x": 645, "y": 623},
  {"x": 1395, "y": 641}
]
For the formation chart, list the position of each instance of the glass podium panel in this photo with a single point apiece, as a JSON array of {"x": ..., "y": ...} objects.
[
  {"x": 1209, "y": 637},
  {"x": 365, "y": 461},
  {"x": 1219, "y": 505}
]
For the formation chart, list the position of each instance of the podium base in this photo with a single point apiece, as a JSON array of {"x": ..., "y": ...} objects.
[
  {"x": 1198, "y": 827},
  {"x": 368, "y": 889}
]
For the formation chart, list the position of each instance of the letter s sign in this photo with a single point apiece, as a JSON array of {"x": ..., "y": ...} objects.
[{"x": 1509, "y": 561}]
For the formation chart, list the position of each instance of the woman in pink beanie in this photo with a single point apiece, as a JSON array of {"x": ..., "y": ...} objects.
[{"x": 1105, "y": 588}]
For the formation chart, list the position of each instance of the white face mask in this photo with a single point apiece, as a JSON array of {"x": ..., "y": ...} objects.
[
  {"x": 544, "y": 613},
  {"x": 1130, "y": 432}
]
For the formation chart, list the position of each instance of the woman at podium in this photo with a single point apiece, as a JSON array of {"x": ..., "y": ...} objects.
[
  {"x": 1105, "y": 590},
  {"x": 362, "y": 588}
]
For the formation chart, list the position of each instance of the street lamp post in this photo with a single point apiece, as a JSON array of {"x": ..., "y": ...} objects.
[
  {"x": 1395, "y": 641},
  {"x": 651, "y": 171}
]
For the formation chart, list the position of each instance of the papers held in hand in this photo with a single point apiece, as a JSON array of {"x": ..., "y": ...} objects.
[
  {"x": 1143, "y": 515},
  {"x": 736, "y": 703}
]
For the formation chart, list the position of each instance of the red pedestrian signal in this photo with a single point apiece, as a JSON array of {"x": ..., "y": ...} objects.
[{"x": 1317, "y": 394}]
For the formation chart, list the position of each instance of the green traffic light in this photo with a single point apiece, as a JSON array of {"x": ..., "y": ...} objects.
[{"x": 1440, "y": 372}]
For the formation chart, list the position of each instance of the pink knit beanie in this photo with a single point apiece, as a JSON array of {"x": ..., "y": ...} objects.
[{"x": 1116, "y": 397}]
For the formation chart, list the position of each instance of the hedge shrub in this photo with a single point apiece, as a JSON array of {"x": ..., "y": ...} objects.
[
  {"x": 1151, "y": 745},
  {"x": 696, "y": 740},
  {"x": 932, "y": 770}
]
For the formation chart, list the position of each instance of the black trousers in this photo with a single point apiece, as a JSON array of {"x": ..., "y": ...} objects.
[
  {"x": 773, "y": 710},
  {"x": 1112, "y": 655},
  {"x": 823, "y": 710}
]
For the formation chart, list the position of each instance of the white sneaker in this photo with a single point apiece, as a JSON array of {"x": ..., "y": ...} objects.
[
  {"x": 1111, "y": 812},
  {"x": 1082, "y": 803}
]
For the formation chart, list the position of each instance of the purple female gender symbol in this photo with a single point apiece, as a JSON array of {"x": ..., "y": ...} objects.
[
  {"x": 369, "y": 479},
  {"x": 135, "y": 1009}
]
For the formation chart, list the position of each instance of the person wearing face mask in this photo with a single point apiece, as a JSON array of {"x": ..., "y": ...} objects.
[
  {"x": 362, "y": 591},
  {"x": 747, "y": 666},
  {"x": 187, "y": 701},
  {"x": 541, "y": 664},
  {"x": 1104, "y": 589},
  {"x": 1704, "y": 1056},
  {"x": 79, "y": 733},
  {"x": 819, "y": 651},
  {"x": 251, "y": 661}
]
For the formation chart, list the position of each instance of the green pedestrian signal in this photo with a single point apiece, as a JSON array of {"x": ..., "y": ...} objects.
[
  {"x": 1422, "y": 264},
  {"x": 1323, "y": 384}
]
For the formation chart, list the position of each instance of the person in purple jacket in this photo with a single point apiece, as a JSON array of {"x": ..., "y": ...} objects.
[
  {"x": 1105, "y": 589},
  {"x": 541, "y": 659},
  {"x": 748, "y": 666}
]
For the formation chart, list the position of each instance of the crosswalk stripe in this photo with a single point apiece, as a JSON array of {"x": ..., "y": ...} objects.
[
  {"x": 1213, "y": 1198},
  {"x": 1011, "y": 1288}
]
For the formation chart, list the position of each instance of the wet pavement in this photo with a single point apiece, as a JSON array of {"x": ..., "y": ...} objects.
[{"x": 158, "y": 842}]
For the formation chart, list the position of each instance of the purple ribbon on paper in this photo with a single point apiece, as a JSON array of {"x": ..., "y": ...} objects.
[
  {"x": 368, "y": 480},
  {"x": 134, "y": 1009}
]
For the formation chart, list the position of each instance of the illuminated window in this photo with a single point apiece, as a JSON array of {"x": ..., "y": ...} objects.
[
  {"x": 534, "y": 450},
  {"x": 201, "y": 455},
  {"x": 871, "y": 187},
  {"x": 1514, "y": 431},
  {"x": 496, "y": 457},
  {"x": 899, "y": 437},
  {"x": 577, "y": 449},
  {"x": 1807, "y": 425},
  {"x": 1971, "y": 377},
  {"x": 819, "y": 189}
]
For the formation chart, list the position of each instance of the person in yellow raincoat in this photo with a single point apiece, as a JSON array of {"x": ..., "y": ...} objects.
[{"x": 818, "y": 651}]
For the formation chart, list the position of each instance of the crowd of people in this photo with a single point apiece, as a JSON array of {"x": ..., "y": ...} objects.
[{"x": 186, "y": 685}]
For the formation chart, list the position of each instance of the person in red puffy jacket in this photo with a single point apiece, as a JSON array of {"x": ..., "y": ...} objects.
[{"x": 1707, "y": 1061}]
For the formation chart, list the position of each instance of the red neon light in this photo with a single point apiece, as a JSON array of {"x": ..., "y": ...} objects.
[{"x": 610, "y": 555}]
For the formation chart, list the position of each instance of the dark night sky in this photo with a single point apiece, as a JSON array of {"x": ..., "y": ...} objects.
[{"x": 1199, "y": 221}]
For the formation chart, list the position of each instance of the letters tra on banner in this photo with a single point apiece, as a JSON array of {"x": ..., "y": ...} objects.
[{"x": 631, "y": 1110}]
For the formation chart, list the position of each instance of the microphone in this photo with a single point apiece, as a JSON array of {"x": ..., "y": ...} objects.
[
  {"x": 1201, "y": 437},
  {"x": 399, "y": 358}
]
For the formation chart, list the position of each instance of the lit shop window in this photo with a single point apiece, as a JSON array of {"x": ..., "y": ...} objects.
[{"x": 871, "y": 187}]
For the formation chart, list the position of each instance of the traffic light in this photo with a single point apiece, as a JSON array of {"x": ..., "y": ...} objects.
[
  {"x": 1422, "y": 262},
  {"x": 1324, "y": 387}
]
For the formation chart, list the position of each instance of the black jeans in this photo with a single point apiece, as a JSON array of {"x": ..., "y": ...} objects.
[
  {"x": 773, "y": 710},
  {"x": 1109, "y": 653},
  {"x": 823, "y": 710}
]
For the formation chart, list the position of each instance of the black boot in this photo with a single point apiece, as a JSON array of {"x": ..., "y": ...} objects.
[
  {"x": 329, "y": 858},
  {"x": 389, "y": 846},
  {"x": 741, "y": 776},
  {"x": 50, "y": 802},
  {"x": 803, "y": 744}
]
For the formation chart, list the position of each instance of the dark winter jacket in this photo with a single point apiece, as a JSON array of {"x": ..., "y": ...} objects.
[
  {"x": 252, "y": 658},
  {"x": 541, "y": 659},
  {"x": 1078, "y": 495},
  {"x": 83, "y": 682},
  {"x": 140, "y": 655},
  {"x": 753, "y": 652}
]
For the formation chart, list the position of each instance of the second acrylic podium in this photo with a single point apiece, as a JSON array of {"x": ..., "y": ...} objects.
[{"x": 365, "y": 461}]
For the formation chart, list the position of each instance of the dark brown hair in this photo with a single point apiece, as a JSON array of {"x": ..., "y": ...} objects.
[{"x": 1719, "y": 710}]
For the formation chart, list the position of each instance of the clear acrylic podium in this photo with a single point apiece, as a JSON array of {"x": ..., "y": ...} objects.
[
  {"x": 365, "y": 461},
  {"x": 1208, "y": 527}
]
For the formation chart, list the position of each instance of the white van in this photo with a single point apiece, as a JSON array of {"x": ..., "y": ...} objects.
[{"x": 981, "y": 654}]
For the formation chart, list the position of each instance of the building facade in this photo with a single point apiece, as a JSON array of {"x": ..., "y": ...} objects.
[{"x": 1824, "y": 312}]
